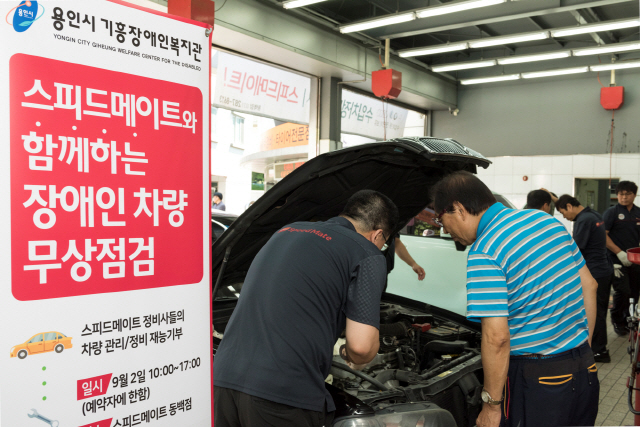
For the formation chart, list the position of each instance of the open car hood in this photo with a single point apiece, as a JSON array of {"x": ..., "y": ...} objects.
[{"x": 403, "y": 169}]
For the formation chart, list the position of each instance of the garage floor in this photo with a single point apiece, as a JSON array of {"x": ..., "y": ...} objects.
[{"x": 613, "y": 409}]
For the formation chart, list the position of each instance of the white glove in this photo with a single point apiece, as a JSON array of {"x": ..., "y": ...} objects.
[
  {"x": 622, "y": 256},
  {"x": 617, "y": 271}
]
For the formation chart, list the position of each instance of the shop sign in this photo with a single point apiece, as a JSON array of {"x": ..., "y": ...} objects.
[
  {"x": 284, "y": 169},
  {"x": 259, "y": 89},
  {"x": 106, "y": 298},
  {"x": 285, "y": 135},
  {"x": 368, "y": 116}
]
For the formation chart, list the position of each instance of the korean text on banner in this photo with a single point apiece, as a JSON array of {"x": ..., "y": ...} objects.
[
  {"x": 105, "y": 176},
  {"x": 261, "y": 90},
  {"x": 365, "y": 116}
]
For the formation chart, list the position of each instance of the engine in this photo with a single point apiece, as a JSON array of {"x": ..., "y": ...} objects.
[{"x": 421, "y": 358}]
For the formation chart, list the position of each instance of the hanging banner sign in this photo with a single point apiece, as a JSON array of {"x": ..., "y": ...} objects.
[
  {"x": 255, "y": 88},
  {"x": 105, "y": 299},
  {"x": 365, "y": 116}
]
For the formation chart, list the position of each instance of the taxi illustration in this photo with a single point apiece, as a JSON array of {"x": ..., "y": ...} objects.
[{"x": 42, "y": 342}]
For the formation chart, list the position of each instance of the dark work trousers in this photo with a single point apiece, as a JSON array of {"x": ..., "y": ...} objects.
[
  {"x": 232, "y": 408},
  {"x": 599, "y": 340},
  {"x": 624, "y": 288},
  {"x": 553, "y": 392}
]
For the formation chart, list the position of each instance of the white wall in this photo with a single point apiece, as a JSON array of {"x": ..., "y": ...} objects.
[{"x": 555, "y": 173}]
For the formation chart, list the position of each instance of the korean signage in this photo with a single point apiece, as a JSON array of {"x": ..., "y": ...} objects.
[
  {"x": 367, "y": 116},
  {"x": 261, "y": 90},
  {"x": 284, "y": 169},
  {"x": 285, "y": 135},
  {"x": 106, "y": 180}
]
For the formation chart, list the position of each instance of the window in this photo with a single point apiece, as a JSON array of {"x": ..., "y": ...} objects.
[
  {"x": 37, "y": 338},
  {"x": 238, "y": 131},
  {"x": 50, "y": 336},
  {"x": 214, "y": 123}
]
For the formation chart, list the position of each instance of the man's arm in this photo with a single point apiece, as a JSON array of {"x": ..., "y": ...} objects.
[
  {"x": 589, "y": 290},
  {"x": 496, "y": 347},
  {"x": 363, "y": 342},
  {"x": 612, "y": 246},
  {"x": 403, "y": 253}
]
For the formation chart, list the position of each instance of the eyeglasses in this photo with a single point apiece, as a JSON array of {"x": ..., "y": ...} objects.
[
  {"x": 383, "y": 236},
  {"x": 621, "y": 194},
  {"x": 438, "y": 219}
]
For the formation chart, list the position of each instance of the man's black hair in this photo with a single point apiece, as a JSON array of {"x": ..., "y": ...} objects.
[
  {"x": 565, "y": 200},
  {"x": 373, "y": 211},
  {"x": 628, "y": 186},
  {"x": 464, "y": 188},
  {"x": 218, "y": 195},
  {"x": 537, "y": 198}
]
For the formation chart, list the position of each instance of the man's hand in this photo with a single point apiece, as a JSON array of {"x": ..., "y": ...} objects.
[
  {"x": 419, "y": 271},
  {"x": 622, "y": 256},
  {"x": 490, "y": 416},
  {"x": 617, "y": 271}
]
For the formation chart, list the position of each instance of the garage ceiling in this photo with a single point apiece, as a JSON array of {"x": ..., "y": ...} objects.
[{"x": 482, "y": 24}]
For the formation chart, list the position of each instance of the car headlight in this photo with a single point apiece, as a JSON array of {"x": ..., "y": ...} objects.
[
  {"x": 12, "y": 348},
  {"x": 434, "y": 417}
]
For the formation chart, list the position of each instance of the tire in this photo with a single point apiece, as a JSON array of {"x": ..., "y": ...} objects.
[
  {"x": 22, "y": 354},
  {"x": 59, "y": 348}
]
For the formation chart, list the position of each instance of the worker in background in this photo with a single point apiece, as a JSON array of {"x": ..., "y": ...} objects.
[
  {"x": 528, "y": 285},
  {"x": 539, "y": 199},
  {"x": 622, "y": 223},
  {"x": 217, "y": 202},
  {"x": 590, "y": 236},
  {"x": 307, "y": 283}
]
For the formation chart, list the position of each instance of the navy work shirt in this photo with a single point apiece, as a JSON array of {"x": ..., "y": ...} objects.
[
  {"x": 623, "y": 227},
  {"x": 300, "y": 289},
  {"x": 591, "y": 238}
]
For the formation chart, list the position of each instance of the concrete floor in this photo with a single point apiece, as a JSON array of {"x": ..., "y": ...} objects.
[{"x": 613, "y": 409}]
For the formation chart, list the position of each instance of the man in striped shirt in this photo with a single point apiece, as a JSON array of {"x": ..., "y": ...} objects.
[{"x": 528, "y": 285}]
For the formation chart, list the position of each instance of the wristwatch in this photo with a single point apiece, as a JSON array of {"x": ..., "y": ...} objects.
[{"x": 486, "y": 398}]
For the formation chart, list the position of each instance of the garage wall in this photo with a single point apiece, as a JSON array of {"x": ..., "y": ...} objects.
[
  {"x": 551, "y": 116},
  {"x": 555, "y": 173}
]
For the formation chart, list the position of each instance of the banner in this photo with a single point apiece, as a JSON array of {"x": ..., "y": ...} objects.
[
  {"x": 365, "y": 116},
  {"x": 255, "y": 88},
  {"x": 105, "y": 299}
]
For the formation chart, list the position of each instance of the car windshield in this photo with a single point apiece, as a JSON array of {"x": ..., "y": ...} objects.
[{"x": 225, "y": 220}]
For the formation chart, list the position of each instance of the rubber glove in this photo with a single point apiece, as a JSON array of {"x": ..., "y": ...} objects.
[
  {"x": 622, "y": 256},
  {"x": 617, "y": 271}
]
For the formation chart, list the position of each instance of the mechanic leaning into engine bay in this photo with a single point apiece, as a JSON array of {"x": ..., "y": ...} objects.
[
  {"x": 308, "y": 282},
  {"x": 528, "y": 285}
]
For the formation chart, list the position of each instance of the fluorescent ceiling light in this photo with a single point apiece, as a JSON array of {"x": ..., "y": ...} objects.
[
  {"x": 616, "y": 66},
  {"x": 495, "y": 41},
  {"x": 463, "y": 66},
  {"x": 299, "y": 3},
  {"x": 456, "y": 7},
  {"x": 610, "y": 48},
  {"x": 379, "y": 22},
  {"x": 532, "y": 58},
  {"x": 594, "y": 28},
  {"x": 560, "y": 72},
  {"x": 490, "y": 79},
  {"x": 433, "y": 50}
]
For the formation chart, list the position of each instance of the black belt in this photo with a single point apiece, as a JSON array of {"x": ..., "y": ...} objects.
[{"x": 547, "y": 356}]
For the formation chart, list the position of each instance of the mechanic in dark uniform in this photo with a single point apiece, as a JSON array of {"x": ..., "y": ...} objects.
[
  {"x": 307, "y": 283},
  {"x": 590, "y": 236},
  {"x": 622, "y": 223}
]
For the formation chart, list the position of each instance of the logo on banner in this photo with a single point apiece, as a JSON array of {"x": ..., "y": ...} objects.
[{"x": 25, "y": 14}]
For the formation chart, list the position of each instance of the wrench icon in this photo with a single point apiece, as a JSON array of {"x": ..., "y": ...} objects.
[{"x": 34, "y": 414}]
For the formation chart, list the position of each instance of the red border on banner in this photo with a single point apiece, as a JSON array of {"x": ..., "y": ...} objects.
[{"x": 203, "y": 25}]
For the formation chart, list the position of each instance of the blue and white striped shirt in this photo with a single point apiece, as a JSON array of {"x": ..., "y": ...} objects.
[{"x": 524, "y": 266}]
